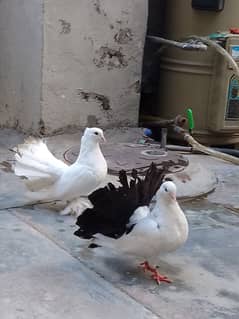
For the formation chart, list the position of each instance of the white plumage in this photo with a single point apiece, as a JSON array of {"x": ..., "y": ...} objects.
[
  {"x": 148, "y": 233},
  {"x": 160, "y": 230},
  {"x": 51, "y": 179}
]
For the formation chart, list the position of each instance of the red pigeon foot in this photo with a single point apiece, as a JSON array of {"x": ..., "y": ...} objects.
[
  {"x": 156, "y": 275},
  {"x": 160, "y": 278}
]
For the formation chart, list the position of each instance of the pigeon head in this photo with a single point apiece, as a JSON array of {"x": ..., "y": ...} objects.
[
  {"x": 167, "y": 191},
  {"x": 94, "y": 134}
]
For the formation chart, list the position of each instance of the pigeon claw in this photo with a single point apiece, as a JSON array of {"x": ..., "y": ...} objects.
[
  {"x": 160, "y": 278},
  {"x": 156, "y": 275}
]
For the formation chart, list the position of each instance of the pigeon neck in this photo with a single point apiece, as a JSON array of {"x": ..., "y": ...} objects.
[
  {"x": 87, "y": 147},
  {"x": 165, "y": 203}
]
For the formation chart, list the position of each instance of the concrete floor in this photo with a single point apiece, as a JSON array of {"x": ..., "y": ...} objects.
[{"x": 46, "y": 272}]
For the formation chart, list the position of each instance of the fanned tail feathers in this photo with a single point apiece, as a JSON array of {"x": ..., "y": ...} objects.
[
  {"x": 36, "y": 163},
  {"x": 113, "y": 207}
]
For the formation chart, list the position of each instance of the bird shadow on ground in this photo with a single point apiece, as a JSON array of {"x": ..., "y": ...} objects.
[{"x": 130, "y": 273}]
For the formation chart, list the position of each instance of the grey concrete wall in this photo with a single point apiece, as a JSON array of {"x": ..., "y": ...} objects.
[
  {"x": 92, "y": 62},
  {"x": 78, "y": 64},
  {"x": 20, "y": 63}
]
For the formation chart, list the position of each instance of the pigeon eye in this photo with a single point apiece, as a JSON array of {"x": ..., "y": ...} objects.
[
  {"x": 166, "y": 190},
  {"x": 96, "y": 133}
]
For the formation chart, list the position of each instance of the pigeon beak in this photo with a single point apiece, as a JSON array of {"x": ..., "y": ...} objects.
[
  {"x": 173, "y": 196},
  {"x": 103, "y": 139}
]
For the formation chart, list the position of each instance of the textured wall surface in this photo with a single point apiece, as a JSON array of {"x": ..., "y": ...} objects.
[
  {"x": 20, "y": 63},
  {"x": 92, "y": 62},
  {"x": 68, "y": 64}
]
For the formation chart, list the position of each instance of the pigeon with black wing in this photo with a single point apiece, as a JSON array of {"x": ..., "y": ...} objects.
[{"x": 123, "y": 219}]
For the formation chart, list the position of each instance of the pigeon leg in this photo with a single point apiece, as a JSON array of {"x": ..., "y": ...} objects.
[
  {"x": 156, "y": 275},
  {"x": 146, "y": 266},
  {"x": 76, "y": 207}
]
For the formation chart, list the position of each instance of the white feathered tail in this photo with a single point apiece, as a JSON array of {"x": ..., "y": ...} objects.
[{"x": 38, "y": 165}]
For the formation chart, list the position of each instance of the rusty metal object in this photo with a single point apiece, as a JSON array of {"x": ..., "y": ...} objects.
[
  {"x": 179, "y": 120},
  {"x": 128, "y": 156}
]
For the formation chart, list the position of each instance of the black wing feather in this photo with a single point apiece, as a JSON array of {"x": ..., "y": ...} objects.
[{"x": 113, "y": 207}]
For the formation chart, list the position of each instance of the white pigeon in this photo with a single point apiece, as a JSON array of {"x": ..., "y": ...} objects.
[
  {"x": 50, "y": 179},
  {"x": 141, "y": 232}
]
